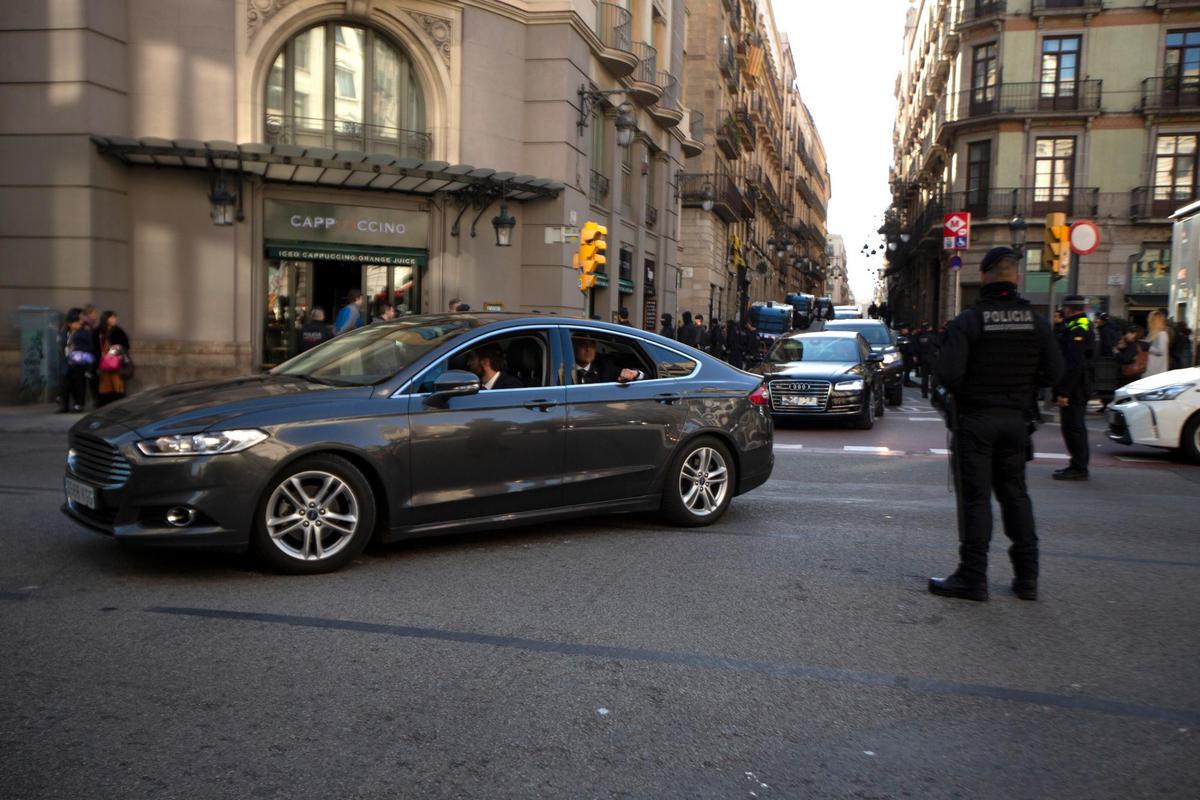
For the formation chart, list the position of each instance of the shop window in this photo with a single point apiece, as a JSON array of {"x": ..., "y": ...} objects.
[{"x": 346, "y": 88}]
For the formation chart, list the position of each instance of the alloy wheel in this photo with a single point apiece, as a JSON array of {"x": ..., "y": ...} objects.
[
  {"x": 312, "y": 515},
  {"x": 703, "y": 481}
]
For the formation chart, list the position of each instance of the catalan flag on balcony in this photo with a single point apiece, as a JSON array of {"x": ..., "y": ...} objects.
[{"x": 754, "y": 60}]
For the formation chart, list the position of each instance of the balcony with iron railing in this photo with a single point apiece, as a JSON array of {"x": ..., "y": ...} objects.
[
  {"x": 643, "y": 87},
  {"x": 1001, "y": 205},
  {"x": 728, "y": 201},
  {"x": 344, "y": 135},
  {"x": 1171, "y": 93},
  {"x": 614, "y": 28},
  {"x": 728, "y": 136},
  {"x": 651, "y": 216},
  {"x": 1049, "y": 7},
  {"x": 1159, "y": 203},
  {"x": 667, "y": 110},
  {"x": 727, "y": 63},
  {"x": 1039, "y": 98},
  {"x": 693, "y": 143},
  {"x": 975, "y": 12},
  {"x": 746, "y": 127}
]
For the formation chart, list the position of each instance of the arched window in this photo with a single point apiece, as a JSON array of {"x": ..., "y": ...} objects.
[{"x": 346, "y": 87}]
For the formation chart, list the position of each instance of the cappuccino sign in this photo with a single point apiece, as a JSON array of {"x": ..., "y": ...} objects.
[{"x": 337, "y": 224}]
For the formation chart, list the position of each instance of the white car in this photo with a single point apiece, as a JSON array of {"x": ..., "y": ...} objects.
[{"x": 1160, "y": 411}]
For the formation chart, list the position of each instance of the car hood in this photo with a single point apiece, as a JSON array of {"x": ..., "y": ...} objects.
[
  {"x": 1169, "y": 378},
  {"x": 810, "y": 369},
  {"x": 199, "y": 405}
]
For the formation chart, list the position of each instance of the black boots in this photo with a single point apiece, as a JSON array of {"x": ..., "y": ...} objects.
[
  {"x": 1025, "y": 588},
  {"x": 1070, "y": 474},
  {"x": 957, "y": 586}
]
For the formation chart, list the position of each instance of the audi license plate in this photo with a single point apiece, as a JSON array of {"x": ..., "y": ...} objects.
[
  {"x": 81, "y": 493},
  {"x": 798, "y": 401}
]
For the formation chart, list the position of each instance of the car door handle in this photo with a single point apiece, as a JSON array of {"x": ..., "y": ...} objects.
[
  {"x": 541, "y": 405},
  {"x": 668, "y": 398}
]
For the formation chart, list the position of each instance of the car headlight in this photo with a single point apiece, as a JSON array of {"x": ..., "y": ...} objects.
[
  {"x": 201, "y": 444},
  {"x": 1165, "y": 392},
  {"x": 855, "y": 385},
  {"x": 890, "y": 358}
]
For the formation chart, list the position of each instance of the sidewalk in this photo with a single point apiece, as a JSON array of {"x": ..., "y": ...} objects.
[{"x": 38, "y": 418}]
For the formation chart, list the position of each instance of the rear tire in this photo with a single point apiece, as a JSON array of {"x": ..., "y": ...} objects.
[
  {"x": 315, "y": 516},
  {"x": 700, "y": 483},
  {"x": 895, "y": 394}
]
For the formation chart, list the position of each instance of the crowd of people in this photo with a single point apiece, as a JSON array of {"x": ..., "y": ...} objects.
[{"x": 96, "y": 360}]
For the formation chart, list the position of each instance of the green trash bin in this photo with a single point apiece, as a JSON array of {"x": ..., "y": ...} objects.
[{"x": 41, "y": 353}]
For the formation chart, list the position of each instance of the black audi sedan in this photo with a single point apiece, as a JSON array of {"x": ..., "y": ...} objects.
[
  {"x": 885, "y": 346},
  {"x": 824, "y": 375},
  {"x": 424, "y": 425}
]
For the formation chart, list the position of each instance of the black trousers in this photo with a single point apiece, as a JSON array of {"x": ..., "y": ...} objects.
[
  {"x": 989, "y": 456},
  {"x": 926, "y": 371},
  {"x": 1074, "y": 429}
]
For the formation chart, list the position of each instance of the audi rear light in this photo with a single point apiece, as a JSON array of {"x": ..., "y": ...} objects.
[{"x": 761, "y": 396}]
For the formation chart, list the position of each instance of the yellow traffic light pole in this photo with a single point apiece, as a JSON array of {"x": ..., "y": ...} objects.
[{"x": 1056, "y": 252}]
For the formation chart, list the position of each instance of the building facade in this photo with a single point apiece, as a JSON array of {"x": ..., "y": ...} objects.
[
  {"x": 755, "y": 197},
  {"x": 215, "y": 169},
  {"x": 1013, "y": 109},
  {"x": 838, "y": 279}
]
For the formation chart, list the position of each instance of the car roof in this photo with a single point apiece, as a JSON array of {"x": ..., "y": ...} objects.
[
  {"x": 499, "y": 320},
  {"x": 828, "y": 334},
  {"x": 829, "y": 322}
]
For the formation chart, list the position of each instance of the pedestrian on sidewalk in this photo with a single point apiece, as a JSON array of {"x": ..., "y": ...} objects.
[
  {"x": 1077, "y": 344},
  {"x": 80, "y": 361},
  {"x": 926, "y": 344},
  {"x": 995, "y": 355},
  {"x": 116, "y": 365},
  {"x": 350, "y": 315},
  {"x": 1159, "y": 343}
]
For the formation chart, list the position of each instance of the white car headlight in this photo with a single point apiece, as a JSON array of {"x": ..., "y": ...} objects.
[
  {"x": 890, "y": 358},
  {"x": 855, "y": 385},
  {"x": 1165, "y": 392},
  {"x": 201, "y": 444}
]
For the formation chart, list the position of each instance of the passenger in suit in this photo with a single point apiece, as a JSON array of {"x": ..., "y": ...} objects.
[
  {"x": 488, "y": 363},
  {"x": 593, "y": 368}
]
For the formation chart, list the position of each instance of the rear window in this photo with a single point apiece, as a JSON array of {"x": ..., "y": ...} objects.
[{"x": 873, "y": 332}]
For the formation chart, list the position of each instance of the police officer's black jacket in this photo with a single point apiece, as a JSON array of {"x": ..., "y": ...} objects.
[
  {"x": 1077, "y": 342},
  {"x": 997, "y": 352}
]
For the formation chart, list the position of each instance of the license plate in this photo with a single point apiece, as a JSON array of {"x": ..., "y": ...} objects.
[
  {"x": 81, "y": 493},
  {"x": 798, "y": 401}
]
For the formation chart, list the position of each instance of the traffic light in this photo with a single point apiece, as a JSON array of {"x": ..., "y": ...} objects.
[
  {"x": 1056, "y": 250},
  {"x": 591, "y": 254}
]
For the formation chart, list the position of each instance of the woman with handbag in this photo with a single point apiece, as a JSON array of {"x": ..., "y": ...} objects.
[
  {"x": 115, "y": 364},
  {"x": 1131, "y": 354},
  {"x": 80, "y": 361}
]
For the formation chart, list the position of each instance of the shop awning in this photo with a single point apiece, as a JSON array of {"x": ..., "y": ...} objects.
[{"x": 312, "y": 166}]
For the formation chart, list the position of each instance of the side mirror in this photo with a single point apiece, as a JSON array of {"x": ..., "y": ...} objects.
[{"x": 452, "y": 383}]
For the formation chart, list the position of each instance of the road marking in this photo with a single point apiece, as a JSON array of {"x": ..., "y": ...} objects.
[
  {"x": 854, "y": 448},
  {"x": 1062, "y": 456},
  {"x": 1136, "y": 460},
  {"x": 924, "y": 419},
  {"x": 939, "y": 451},
  {"x": 789, "y": 447}
]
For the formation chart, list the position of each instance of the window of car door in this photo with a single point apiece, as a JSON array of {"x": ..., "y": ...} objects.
[
  {"x": 613, "y": 350},
  {"x": 525, "y": 356}
]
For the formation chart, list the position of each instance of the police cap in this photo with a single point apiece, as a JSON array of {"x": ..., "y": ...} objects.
[
  {"x": 995, "y": 256},
  {"x": 1074, "y": 300}
]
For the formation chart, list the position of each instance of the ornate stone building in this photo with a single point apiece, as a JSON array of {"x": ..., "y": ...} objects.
[{"x": 215, "y": 169}]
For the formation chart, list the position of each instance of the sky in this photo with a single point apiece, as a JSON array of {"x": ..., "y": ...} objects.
[{"x": 847, "y": 55}]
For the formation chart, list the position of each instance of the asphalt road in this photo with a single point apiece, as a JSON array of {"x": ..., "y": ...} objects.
[{"x": 789, "y": 651}]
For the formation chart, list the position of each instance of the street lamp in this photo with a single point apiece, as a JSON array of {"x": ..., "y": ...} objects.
[
  {"x": 626, "y": 125},
  {"x": 223, "y": 202},
  {"x": 504, "y": 224},
  {"x": 1017, "y": 226},
  {"x": 708, "y": 197}
]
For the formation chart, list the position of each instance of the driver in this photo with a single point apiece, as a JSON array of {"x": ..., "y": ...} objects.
[
  {"x": 488, "y": 363},
  {"x": 593, "y": 368}
]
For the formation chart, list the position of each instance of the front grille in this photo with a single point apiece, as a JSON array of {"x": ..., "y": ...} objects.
[
  {"x": 98, "y": 462},
  {"x": 104, "y": 517},
  {"x": 1117, "y": 425},
  {"x": 797, "y": 388}
]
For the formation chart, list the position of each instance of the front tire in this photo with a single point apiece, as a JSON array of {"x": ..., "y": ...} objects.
[
  {"x": 1189, "y": 440},
  {"x": 895, "y": 394},
  {"x": 700, "y": 483},
  {"x": 315, "y": 516},
  {"x": 866, "y": 417}
]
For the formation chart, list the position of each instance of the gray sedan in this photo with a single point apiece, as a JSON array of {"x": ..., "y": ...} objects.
[{"x": 425, "y": 425}]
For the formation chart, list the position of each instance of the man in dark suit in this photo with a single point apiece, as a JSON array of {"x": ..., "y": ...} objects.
[
  {"x": 488, "y": 363},
  {"x": 593, "y": 368}
]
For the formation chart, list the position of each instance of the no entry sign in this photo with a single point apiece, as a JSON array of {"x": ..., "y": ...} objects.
[
  {"x": 956, "y": 231},
  {"x": 1085, "y": 237}
]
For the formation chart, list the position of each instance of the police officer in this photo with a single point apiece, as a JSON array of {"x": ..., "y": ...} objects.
[
  {"x": 926, "y": 345},
  {"x": 994, "y": 356},
  {"x": 1077, "y": 342}
]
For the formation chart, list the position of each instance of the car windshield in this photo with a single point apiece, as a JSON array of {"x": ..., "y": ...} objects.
[
  {"x": 374, "y": 353},
  {"x": 809, "y": 348},
  {"x": 873, "y": 332}
]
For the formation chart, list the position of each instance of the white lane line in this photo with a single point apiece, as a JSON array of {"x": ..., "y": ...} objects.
[
  {"x": 924, "y": 419},
  {"x": 789, "y": 447},
  {"x": 854, "y": 448},
  {"x": 1062, "y": 456},
  {"x": 939, "y": 451}
]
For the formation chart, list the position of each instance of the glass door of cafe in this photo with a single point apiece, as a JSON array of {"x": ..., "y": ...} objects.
[{"x": 303, "y": 293}]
